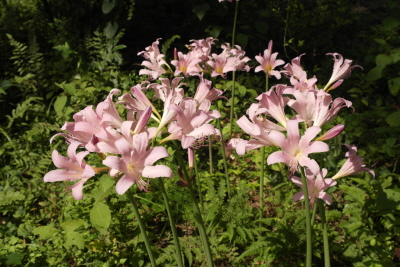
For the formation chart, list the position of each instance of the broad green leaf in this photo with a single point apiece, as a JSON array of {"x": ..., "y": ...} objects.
[
  {"x": 111, "y": 29},
  {"x": 70, "y": 88},
  {"x": 107, "y": 6},
  {"x": 390, "y": 23},
  {"x": 60, "y": 102},
  {"x": 201, "y": 10},
  {"x": 71, "y": 225},
  {"x": 100, "y": 217},
  {"x": 394, "y": 86},
  {"x": 388, "y": 199},
  {"x": 375, "y": 73},
  {"x": 74, "y": 238},
  {"x": 383, "y": 60},
  {"x": 14, "y": 258},
  {"x": 242, "y": 90},
  {"x": 394, "y": 119},
  {"x": 45, "y": 232}
]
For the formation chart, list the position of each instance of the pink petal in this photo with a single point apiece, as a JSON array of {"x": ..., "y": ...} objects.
[
  {"x": 124, "y": 183},
  {"x": 156, "y": 171},
  {"x": 155, "y": 154}
]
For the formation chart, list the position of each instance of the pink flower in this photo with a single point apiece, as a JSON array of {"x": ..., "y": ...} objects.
[
  {"x": 269, "y": 62},
  {"x": 135, "y": 162},
  {"x": 333, "y": 132},
  {"x": 187, "y": 64},
  {"x": 190, "y": 125},
  {"x": 274, "y": 103},
  {"x": 205, "y": 94},
  {"x": 71, "y": 169},
  {"x": 296, "y": 149},
  {"x": 258, "y": 128},
  {"x": 353, "y": 164},
  {"x": 203, "y": 47},
  {"x": 316, "y": 185},
  {"x": 154, "y": 61},
  {"x": 341, "y": 69}
]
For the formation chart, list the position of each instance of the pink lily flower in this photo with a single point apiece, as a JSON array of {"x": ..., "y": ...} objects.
[
  {"x": 187, "y": 64},
  {"x": 341, "y": 69},
  {"x": 190, "y": 125},
  {"x": 135, "y": 162},
  {"x": 322, "y": 113},
  {"x": 274, "y": 103},
  {"x": 269, "y": 62},
  {"x": 295, "y": 69},
  {"x": 203, "y": 47},
  {"x": 154, "y": 61},
  {"x": 205, "y": 94},
  {"x": 316, "y": 185},
  {"x": 257, "y": 127},
  {"x": 295, "y": 149},
  {"x": 353, "y": 164},
  {"x": 72, "y": 168}
]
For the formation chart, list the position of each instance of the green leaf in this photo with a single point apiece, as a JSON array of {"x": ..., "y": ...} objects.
[
  {"x": 45, "y": 232},
  {"x": 74, "y": 238},
  {"x": 388, "y": 199},
  {"x": 107, "y": 6},
  {"x": 375, "y": 73},
  {"x": 201, "y": 10},
  {"x": 394, "y": 86},
  {"x": 71, "y": 225},
  {"x": 394, "y": 119},
  {"x": 242, "y": 90},
  {"x": 383, "y": 60},
  {"x": 59, "y": 104},
  {"x": 15, "y": 258},
  {"x": 100, "y": 217},
  {"x": 111, "y": 29},
  {"x": 70, "y": 88}
]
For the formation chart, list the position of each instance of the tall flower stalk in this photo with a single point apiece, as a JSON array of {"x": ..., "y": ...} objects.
[
  {"x": 234, "y": 72},
  {"x": 142, "y": 228}
]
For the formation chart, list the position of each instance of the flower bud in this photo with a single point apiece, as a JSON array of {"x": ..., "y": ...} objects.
[{"x": 333, "y": 132}]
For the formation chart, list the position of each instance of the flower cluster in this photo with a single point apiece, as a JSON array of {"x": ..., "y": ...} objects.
[
  {"x": 123, "y": 143},
  {"x": 313, "y": 107}
]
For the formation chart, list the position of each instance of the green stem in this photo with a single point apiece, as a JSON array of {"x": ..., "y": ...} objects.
[
  {"x": 262, "y": 182},
  {"x": 210, "y": 156},
  {"x": 141, "y": 226},
  {"x": 314, "y": 213},
  {"x": 198, "y": 182},
  {"x": 262, "y": 167},
  {"x": 308, "y": 219},
  {"x": 325, "y": 232},
  {"x": 233, "y": 73},
  {"x": 197, "y": 213},
  {"x": 172, "y": 224},
  {"x": 228, "y": 184},
  {"x": 232, "y": 104}
]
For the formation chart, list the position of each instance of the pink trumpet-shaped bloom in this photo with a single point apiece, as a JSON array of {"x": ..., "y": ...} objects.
[
  {"x": 154, "y": 61},
  {"x": 190, "y": 125},
  {"x": 316, "y": 185},
  {"x": 269, "y": 62},
  {"x": 295, "y": 69},
  {"x": 135, "y": 162},
  {"x": 259, "y": 128},
  {"x": 341, "y": 69},
  {"x": 274, "y": 103},
  {"x": 187, "y": 64},
  {"x": 71, "y": 169},
  {"x": 296, "y": 149},
  {"x": 353, "y": 164}
]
